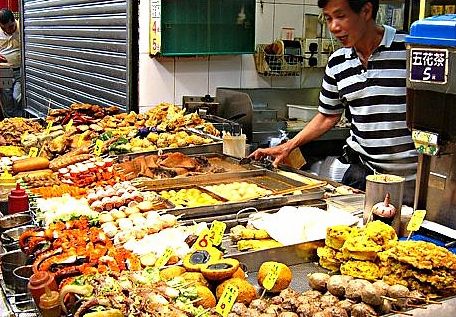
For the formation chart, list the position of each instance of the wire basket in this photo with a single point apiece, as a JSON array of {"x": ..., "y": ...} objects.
[{"x": 277, "y": 64}]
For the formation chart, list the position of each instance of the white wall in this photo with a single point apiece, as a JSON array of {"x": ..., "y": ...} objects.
[{"x": 167, "y": 80}]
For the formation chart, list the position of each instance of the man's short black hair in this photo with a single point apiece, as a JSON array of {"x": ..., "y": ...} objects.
[
  {"x": 6, "y": 16},
  {"x": 355, "y": 5}
]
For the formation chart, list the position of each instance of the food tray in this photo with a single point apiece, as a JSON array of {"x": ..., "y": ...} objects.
[
  {"x": 264, "y": 178},
  {"x": 214, "y": 147}
]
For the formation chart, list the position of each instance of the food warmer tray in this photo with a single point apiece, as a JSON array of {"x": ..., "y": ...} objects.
[
  {"x": 264, "y": 178},
  {"x": 214, "y": 147},
  {"x": 301, "y": 259}
]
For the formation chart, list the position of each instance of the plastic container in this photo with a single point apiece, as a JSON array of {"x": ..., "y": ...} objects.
[
  {"x": 49, "y": 304},
  {"x": 18, "y": 200},
  {"x": 234, "y": 145},
  {"x": 39, "y": 282}
]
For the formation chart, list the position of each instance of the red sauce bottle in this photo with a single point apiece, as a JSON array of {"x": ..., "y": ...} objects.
[
  {"x": 18, "y": 200},
  {"x": 38, "y": 283}
]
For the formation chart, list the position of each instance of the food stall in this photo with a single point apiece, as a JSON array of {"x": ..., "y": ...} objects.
[{"x": 142, "y": 214}]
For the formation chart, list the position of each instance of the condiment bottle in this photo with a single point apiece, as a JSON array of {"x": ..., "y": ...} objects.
[
  {"x": 49, "y": 303},
  {"x": 39, "y": 282},
  {"x": 17, "y": 200}
]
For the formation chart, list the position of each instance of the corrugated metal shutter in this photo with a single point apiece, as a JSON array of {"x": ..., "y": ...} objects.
[{"x": 76, "y": 51}]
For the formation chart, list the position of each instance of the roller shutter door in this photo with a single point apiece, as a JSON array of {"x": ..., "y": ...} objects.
[{"x": 77, "y": 51}]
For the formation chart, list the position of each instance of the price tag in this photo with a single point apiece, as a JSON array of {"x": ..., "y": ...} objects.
[
  {"x": 416, "y": 220},
  {"x": 226, "y": 302},
  {"x": 33, "y": 152},
  {"x": 24, "y": 136},
  {"x": 216, "y": 232},
  {"x": 69, "y": 125},
  {"x": 48, "y": 128},
  {"x": 164, "y": 258},
  {"x": 271, "y": 278},
  {"x": 155, "y": 25},
  {"x": 80, "y": 140},
  {"x": 98, "y": 147},
  {"x": 203, "y": 240}
]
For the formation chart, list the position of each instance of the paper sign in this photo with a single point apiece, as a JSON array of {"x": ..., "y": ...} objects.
[
  {"x": 271, "y": 278},
  {"x": 416, "y": 220},
  {"x": 203, "y": 240},
  {"x": 98, "y": 147},
  {"x": 216, "y": 232},
  {"x": 69, "y": 125},
  {"x": 227, "y": 300},
  {"x": 33, "y": 152},
  {"x": 164, "y": 258},
  {"x": 80, "y": 140}
]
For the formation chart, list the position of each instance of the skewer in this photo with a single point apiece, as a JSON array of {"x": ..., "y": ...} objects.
[
  {"x": 416, "y": 306},
  {"x": 389, "y": 298},
  {"x": 400, "y": 312}
]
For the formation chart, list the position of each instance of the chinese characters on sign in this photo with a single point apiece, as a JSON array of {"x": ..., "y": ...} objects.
[
  {"x": 429, "y": 65},
  {"x": 155, "y": 25}
]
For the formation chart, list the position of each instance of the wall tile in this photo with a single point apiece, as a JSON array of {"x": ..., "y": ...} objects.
[
  {"x": 191, "y": 77},
  {"x": 288, "y": 15},
  {"x": 156, "y": 81},
  {"x": 144, "y": 18},
  {"x": 264, "y": 32},
  {"x": 224, "y": 71},
  {"x": 249, "y": 75}
]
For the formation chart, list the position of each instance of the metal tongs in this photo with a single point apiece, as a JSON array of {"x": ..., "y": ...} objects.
[{"x": 264, "y": 162}]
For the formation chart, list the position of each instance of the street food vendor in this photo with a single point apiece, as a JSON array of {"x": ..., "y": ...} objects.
[
  {"x": 367, "y": 76},
  {"x": 10, "y": 52}
]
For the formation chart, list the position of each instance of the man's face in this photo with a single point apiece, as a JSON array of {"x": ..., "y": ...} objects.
[
  {"x": 9, "y": 27},
  {"x": 346, "y": 25}
]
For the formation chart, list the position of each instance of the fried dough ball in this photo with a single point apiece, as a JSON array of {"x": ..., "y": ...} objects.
[
  {"x": 328, "y": 300},
  {"x": 354, "y": 289},
  {"x": 400, "y": 293},
  {"x": 363, "y": 310},
  {"x": 307, "y": 310},
  {"x": 337, "y": 283},
  {"x": 346, "y": 304},
  {"x": 318, "y": 281},
  {"x": 283, "y": 279},
  {"x": 336, "y": 311},
  {"x": 371, "y": 295}
]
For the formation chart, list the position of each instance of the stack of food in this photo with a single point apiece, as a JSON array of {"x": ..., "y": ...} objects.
[
  {"x": 420, "y": 265},
  {"x": 250, "y": 238},
  {"x": 355, "y": 251},
  {"x": 13, "y": 129}
]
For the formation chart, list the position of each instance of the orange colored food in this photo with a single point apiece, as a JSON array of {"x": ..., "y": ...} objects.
[{"x": 59, "y": 190}]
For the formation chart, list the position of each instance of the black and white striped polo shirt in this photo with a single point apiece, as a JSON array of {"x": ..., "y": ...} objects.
[{"x": 376, "y": 98}]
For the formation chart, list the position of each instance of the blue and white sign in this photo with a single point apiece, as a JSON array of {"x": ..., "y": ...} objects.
[{"x": 429, "y": 65}]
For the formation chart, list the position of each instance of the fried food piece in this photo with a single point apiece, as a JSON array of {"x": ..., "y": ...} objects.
[
  {"x": 337, "y": 235},
  {"x": 329, "y": 258},
  {"x": 318, "y": 281},
  {"x": 361, "y": 269},
  {"x": 240, "y": 232},
  {"x": 284, "y": 275},
  {"x": 244, "y": 245},
  {"x": 337, "y": 284}
]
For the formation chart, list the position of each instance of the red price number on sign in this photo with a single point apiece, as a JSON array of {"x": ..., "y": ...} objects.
[{"x": 203, "y": 240}]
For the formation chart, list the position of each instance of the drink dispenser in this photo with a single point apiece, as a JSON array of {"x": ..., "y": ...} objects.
[{"x": 431, "y": 114}]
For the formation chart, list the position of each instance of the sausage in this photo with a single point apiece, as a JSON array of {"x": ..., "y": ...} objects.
[{"x": 30, "y": 164}]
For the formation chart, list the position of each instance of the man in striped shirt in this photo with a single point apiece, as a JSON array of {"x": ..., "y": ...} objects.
[{"x": 367, "y": 77}]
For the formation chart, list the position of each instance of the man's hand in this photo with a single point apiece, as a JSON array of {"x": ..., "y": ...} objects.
[
  {"x": 3, "y": 59},
  {"x": 279, "y": 153}
]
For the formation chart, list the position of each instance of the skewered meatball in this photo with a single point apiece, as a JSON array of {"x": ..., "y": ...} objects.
[
  {"x": 328, "y": 300},
  {"x": 400, "y": 293},
  {"x": 252, "y": 313},
  {"x": 239, "y": 308},
  {"x": 371, "y": 295},
  {"x": 354, "y": 289},
  {"x": 382, "y": 286},
  {"x": 288, "y": 314},
  {"x": 385, "y": 307},
  {"x": 276, "y": 300},
  {"x": 416, "y": 298},
  {"x": 363, "y": 310},
  {"x": 337, "y": 283},
  {"x": 346, "y": 304},
  {"x": 318, "y": 281},
  {"x": 259, "y": 305},
  {"x": 336, "y": 311}
]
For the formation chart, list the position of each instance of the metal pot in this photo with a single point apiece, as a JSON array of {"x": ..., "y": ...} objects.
[
  {"x": 10, "y": 261},
  {"x": 15, "y": 220},
  {"x": 21, "y": 278},
  {"x": 10, "y": 237}
]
